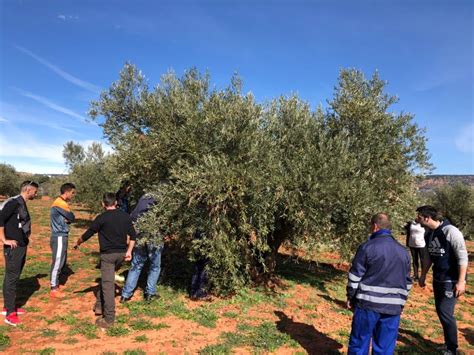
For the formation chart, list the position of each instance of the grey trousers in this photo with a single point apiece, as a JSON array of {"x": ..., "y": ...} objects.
[
  {"x": 106, "y": 296},
  {"x": 59, "y": 257}
]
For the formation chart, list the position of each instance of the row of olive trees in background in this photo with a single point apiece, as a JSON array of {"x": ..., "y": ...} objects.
[
  {"x": 250, "y": 176},
  {"x": 10, "y": 180}
]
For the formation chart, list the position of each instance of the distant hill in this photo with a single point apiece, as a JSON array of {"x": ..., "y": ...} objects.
[{"x": 431, "y": 182}]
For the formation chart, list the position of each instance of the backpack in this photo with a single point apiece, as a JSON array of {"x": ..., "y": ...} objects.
[
  {"x": 22, "y": 215},
  {"x": 3, "y": 204}
]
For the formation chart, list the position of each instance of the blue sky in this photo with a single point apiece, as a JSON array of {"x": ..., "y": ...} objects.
[{"x": 56, "y": 56}]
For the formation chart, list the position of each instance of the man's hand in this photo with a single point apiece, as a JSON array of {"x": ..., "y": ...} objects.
[
  {"x": 128, "y": 256},
  {"x": 422, "y": 281},
  {"x": 460, "y": 288},
  {"x": 349, "y": 305},
  {"x": 12, "y": 243},
  {"x": 78, "y": 242}
]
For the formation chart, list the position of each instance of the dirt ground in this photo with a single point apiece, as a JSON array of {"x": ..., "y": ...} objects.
[{"x": 305, "y": 314}]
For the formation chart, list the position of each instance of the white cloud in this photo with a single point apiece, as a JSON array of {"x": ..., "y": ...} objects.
[
  {"x": 68, "y": 17},
  {"x": 66, "y": 76},
  {"x": 17, "y": 115},
  {"x": 28, "y": 147},
  {"x": 54, "y": 106},
  {"x": 465, "y": 140},
  {"x": 27, "y": 154}
]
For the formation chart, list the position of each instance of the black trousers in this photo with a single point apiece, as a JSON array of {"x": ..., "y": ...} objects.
[
  {"x": 105, "y": 300},
  {"x": 14, "y": 261},
  {"x": 417, "y": 259},
  {"x": 445, "y": 300}
]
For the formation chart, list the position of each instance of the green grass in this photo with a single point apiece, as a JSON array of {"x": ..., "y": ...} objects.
[
  {"x": 69, "y": 319},
  {"x": 47, "y": 351},
  {"x": 70, "y": 341},
  {"x": 216, "y": 349},
  {"x": 141, "y": 324},
  {"x": 230, "y": 314},
  {"x": 117, "y": 331},
  {"x": 4, "y": 341},
  {"x": 264, "y": 337},
  {"x": 141, "y": 339},
  {"x": 134, "y": 352},
  {"x": 49, "y": 333},
  {"x": 84, "y": 328},
  {"x": 205, "y": 317},
  {"x": 267, "y": 337}
]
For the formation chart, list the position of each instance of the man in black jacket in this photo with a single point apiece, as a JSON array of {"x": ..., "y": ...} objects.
[
  {"x": 15, "y": 230},
  {"x": 113, "y": 226},
  {"x": 448, "y": 255}
]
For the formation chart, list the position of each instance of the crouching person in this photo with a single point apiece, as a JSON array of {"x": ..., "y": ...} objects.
[
  {"x": 142, "y": 253},
  {"x": 113, "y": 226},
  {"x": 379, "y": 281}
]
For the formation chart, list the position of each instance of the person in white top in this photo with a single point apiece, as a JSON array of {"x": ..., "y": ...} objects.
[{"x": 416, "y": 242}]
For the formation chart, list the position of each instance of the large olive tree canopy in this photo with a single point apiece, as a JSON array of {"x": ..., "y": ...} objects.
[{"x": 250, "y": 176}]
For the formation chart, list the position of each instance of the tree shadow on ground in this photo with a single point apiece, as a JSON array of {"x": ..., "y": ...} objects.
[
  {"x": 312, "y": 340},
  {"x": 414, "y": 343},
  {"x": 307, "y": 271},
  {"x": 27, "y": 287},
  {"x": 328, "y": 298},
  {"x": 65, "y": 273},
  {"x": 96, "y": 288},
  {"x": 468, "y": 334}
]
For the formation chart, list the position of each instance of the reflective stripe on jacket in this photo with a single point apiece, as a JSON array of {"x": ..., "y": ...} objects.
[{"x": 379, "y": 278}]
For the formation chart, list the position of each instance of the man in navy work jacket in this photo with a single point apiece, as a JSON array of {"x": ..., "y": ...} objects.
[
  {"x": 378, "y": 286},
  {"x": 448, "y": 255}
]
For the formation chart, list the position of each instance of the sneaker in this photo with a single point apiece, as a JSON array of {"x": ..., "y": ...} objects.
[
  {"x": 124, "y": 299},
  {"x": 12, "y": 319},
  {"x": 19, "y": 311},
  {"x": 103, "y": 324},
  {"x": 56, "y": 293},
  {"x": 149, "y": 298}
]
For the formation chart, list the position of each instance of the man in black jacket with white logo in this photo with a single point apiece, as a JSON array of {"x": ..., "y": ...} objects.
[{"x": 448, "y": 255}]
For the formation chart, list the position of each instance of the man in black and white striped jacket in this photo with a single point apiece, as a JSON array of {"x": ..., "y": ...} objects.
[{"x": 377, "y": 289}]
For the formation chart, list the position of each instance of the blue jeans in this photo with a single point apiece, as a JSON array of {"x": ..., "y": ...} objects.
[
  {"x": 140, "y": 256},
  {"x": 381, "y": 328}
]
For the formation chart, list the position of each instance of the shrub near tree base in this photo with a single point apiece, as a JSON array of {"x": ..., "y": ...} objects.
[{"x": 250, "y": 176}]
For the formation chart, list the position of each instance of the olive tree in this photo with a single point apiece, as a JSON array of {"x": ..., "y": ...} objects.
[{"x": 250, "y": 176}]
